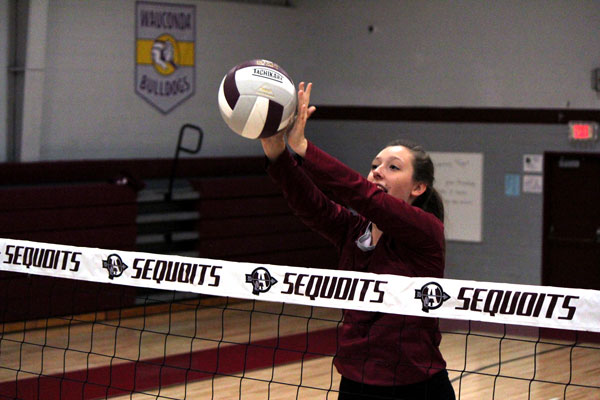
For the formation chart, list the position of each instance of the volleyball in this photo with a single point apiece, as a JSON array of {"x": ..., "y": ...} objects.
[{"x": 257, "y": 99}]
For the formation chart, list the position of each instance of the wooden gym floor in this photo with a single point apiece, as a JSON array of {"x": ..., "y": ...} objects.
[{"x": 481, "y": 365}]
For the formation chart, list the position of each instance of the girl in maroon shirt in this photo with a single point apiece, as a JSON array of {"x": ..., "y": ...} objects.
[{"x": 395, "y": 228}]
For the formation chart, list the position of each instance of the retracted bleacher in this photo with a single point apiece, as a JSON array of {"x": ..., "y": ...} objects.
[{"x": 222, "y": 208}]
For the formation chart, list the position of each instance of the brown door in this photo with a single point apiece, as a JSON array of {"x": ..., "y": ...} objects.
[{"x": 571, "y": 237}]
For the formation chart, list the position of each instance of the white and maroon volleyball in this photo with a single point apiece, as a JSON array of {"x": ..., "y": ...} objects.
[{"x": 257, "y": 99}]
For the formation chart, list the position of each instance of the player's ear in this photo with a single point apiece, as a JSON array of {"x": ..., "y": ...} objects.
[{"x": 418, "y": 189}]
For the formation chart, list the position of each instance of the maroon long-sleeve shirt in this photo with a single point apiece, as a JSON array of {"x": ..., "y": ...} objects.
[{"x": 374, "y": 348}]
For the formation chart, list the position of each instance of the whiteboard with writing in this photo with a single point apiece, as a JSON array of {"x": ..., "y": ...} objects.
[{"x": 459, "y": 178}]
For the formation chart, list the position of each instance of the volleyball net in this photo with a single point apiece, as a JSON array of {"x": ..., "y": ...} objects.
[{"x": 216, "y": 329}]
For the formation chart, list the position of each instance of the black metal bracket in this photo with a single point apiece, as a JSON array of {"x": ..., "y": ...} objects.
[{"x": 181, "y": 148}]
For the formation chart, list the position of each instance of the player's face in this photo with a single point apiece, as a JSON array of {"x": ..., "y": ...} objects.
[{"x": 392, "y": 171}]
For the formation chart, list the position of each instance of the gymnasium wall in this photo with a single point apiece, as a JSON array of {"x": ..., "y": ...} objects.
[
  {"x": 4, "y": 64},
  {"x": 509, "y": 53},
  {"x": 91, "y": 109},
  {"x": 434, "y": 53}
]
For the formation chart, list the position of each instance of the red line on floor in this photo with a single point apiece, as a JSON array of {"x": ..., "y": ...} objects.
[{"x": 143, "y": 375}]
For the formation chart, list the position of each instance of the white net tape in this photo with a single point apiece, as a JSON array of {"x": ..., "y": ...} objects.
[{"x": 541, "y": 306}]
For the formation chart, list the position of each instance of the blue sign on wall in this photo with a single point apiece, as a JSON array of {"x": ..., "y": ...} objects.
[{"x": 512, "y": 184}]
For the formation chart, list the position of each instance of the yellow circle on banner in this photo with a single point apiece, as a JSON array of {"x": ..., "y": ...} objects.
[{"x": 165, "y": 54}]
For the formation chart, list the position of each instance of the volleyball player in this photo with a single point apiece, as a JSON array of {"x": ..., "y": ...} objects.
[{"x": 396, "y": 227}]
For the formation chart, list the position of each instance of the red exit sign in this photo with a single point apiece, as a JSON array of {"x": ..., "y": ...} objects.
[{"x": 582, "y": 131}]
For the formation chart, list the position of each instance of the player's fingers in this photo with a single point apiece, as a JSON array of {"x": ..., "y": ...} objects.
[{"x": 308, "y": 90}]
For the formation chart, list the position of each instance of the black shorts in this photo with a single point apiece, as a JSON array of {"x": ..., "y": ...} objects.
[{"x": 438, "y": 387}]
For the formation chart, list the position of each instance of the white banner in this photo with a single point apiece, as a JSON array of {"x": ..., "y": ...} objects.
[
  {"x": 165, "y": 66},
  {"x": 542, "y": 306}
]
